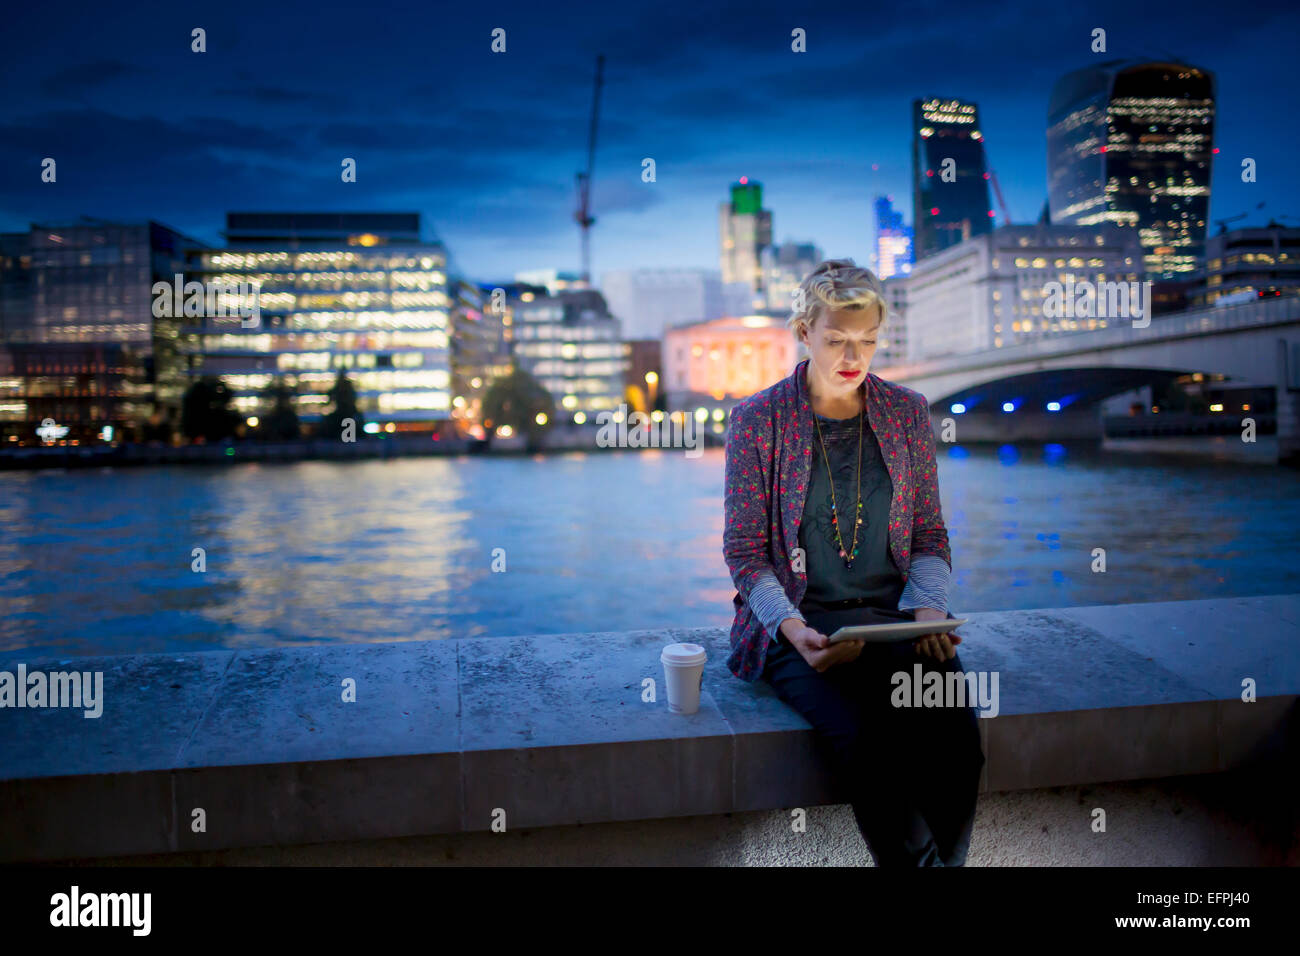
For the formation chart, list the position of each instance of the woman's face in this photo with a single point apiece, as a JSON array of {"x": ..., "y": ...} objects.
[{"x": 840, "y": 347}]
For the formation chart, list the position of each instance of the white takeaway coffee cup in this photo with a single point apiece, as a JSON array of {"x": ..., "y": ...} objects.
[{"x": 683, "y": 673}]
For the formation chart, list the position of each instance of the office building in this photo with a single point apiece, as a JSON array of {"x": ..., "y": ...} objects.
[
  {"x": 785, "y": 266},
  {"x": 552, "y": 280},
  {"x": 950, "y": 186},
  {"x": 572, "y": 345},
  {"x": 744, "y": 230},
  {"x": 80, "y": 342},
  {"x": 364, "y": 293},
  {"x": 647, "y": 301},
  {"x": 1130, "y": 144},
  {"x": 891, "y": 343},
  {"x": 1251, "y": 262},
  {"x": 894, "y": 255},
  {"x": 990, "y": 292},
  {"x": 481, "y": 346}
]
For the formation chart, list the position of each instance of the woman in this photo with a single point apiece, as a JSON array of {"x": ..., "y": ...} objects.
[{"x": 833, "y": 518}]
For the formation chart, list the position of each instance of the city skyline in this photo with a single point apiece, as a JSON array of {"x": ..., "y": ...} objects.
[{"x": 141, "y": 127}]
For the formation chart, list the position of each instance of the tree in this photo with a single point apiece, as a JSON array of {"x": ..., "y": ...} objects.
[
  {"x": 206, "y": 411},
  {"x": 281, "y": 422},
  {"x": 158, "y": 428},
  {"x": 343, "y": 396},
  {"x": 516, "y": 400}
]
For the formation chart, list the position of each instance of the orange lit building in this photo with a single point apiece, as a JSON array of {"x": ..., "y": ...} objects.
[{"x": 710, "y": 365}]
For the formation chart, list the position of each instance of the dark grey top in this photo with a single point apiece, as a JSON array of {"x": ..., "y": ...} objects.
[{"x": 874, "y": 576}]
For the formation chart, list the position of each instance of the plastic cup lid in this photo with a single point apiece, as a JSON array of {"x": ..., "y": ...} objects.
[{"x": 683, "y": 654}]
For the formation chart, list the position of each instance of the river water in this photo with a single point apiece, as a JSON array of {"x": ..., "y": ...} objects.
[{"x": 102, "y": 561}]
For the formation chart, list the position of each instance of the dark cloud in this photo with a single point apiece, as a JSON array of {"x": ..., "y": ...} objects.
[
  {"x": 77, "y": 81},
  {"x": 487, "y": 145},
  {"x": 269, "y": 95}
]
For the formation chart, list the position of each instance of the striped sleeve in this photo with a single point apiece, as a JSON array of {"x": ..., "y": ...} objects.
[
  {"x": 927, "y": 584},
  {"x": 770, "y": 604}
]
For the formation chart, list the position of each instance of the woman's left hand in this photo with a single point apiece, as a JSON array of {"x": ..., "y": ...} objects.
[{"x": 938, "y": 646}]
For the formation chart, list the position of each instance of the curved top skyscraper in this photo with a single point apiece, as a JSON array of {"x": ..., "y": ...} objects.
[{"x": 1130, "y": 143}]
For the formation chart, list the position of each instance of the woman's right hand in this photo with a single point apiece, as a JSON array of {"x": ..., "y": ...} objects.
[{"x": 815, "y": 648}]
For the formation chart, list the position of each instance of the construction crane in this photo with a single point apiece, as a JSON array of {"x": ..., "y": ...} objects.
[
  {"x": 1223, "y": 223},
  {"x": 1002, "y": 203},
  {"x": 583, "y": 215}
]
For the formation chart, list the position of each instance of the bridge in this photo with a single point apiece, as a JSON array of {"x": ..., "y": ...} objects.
[{"x": 1251, "y": 344}]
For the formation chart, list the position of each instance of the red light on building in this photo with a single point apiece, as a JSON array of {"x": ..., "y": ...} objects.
[
  {"x": 1215, "y": 150},
  {"x": 934, "y": 210},
  {"x": 744, "y": 180},
  {"x": 929, "y": 172},
  {"x": 990, "y": 213},
  {"x": 1103, "y": 149}
]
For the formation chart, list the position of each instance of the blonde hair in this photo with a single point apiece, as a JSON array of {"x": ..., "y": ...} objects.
[{"x": 834, "y": 285}]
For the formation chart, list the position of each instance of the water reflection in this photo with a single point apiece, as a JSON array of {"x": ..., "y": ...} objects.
[{"x": 98, "y": 562}]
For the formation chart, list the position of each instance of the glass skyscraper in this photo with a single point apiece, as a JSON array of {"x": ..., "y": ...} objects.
[
  {"x": 945, "y": 212},
  {"x": 894, "y": 254},
  {"x": 1130, "y": 144}
]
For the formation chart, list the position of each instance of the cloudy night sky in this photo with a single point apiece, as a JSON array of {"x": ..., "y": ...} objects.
[{"x": 485, "y": 145}]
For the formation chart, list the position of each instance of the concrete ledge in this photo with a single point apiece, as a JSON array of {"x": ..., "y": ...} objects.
[{"x": 552, "y": 729}]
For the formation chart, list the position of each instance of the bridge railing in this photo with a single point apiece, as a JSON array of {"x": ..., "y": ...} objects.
[{"x": 1244, "y": 315}]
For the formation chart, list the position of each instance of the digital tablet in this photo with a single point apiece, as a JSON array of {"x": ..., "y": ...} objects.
[{"x": 901, "y": 631}]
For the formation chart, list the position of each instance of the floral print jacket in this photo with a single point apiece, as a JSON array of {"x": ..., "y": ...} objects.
[{"x": 768, "y": 462}]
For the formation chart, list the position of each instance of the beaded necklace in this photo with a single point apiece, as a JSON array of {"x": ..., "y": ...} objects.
[{"x": 848, "y": 554}]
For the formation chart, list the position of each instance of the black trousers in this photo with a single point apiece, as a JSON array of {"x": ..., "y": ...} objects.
[{"x": 912, "y": 772}]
